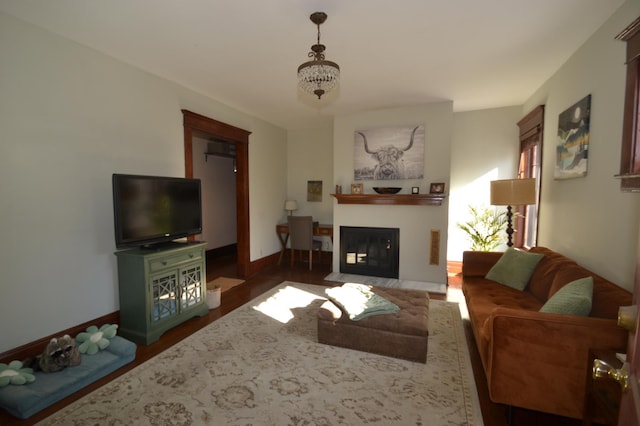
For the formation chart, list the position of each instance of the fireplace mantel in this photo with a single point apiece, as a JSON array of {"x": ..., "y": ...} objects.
[{"x": 391, "y": 199}]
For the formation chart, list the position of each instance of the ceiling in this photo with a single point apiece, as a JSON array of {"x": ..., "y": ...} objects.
[{"x": 245, "y": 53}]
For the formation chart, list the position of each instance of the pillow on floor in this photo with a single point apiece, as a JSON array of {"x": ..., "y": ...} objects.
[
  {"x": 574, "y": 298},
  {"x": 514, "y": 268}
]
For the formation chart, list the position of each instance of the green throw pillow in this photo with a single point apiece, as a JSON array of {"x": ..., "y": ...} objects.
[
  {"x": 573, "y": 299},
  {"x": 514, "y": 268}
]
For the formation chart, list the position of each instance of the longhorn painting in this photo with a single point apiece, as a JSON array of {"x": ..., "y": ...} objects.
[{"x": 389, "y": 153}]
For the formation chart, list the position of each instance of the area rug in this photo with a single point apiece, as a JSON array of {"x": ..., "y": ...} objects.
[
  {"x": 224, "y": 283},
  {"x": 435, "y": 288},
  {"x": 261, "y": 365}
]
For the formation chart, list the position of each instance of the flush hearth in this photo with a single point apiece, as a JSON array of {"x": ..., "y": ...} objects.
[{"x": 370, "y": 251}]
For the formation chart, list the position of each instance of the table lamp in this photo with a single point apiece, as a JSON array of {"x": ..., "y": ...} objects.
[
  {"x": 512, "y": 192},
  {"x": 290, "y": 206}
]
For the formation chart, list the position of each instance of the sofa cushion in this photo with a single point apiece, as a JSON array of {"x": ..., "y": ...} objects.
[
  {"x": 483, "y": 297},
  {"x": 565, "y": 275},
  {"x": 574, "y": 298},
  {"x": 609, "y": 298},
  {"x": 514, "y": 268},
  {"x": 542, "y": 277}
]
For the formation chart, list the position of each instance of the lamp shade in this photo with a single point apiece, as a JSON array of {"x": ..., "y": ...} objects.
[
  {"x": 513, "y": 192},
  {"x": 290, "y": 205}
]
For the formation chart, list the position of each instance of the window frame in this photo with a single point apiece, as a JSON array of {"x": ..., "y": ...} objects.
[
  {"x": 630, "y": 148},
  {"x": 529, "y": 166}
]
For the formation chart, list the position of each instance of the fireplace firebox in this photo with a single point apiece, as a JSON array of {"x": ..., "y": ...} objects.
[{"x": 370, "y": 251}]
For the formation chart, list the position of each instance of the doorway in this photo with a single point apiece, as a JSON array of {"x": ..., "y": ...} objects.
[{"x": 196, "y": 125}]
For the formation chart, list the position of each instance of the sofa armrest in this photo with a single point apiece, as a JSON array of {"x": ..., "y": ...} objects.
[
  {"x": 478, "y": 263},
  {"x": 546, "y": 354}
]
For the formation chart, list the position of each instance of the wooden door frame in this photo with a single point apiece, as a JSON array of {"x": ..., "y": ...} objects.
[{"x": 195, "y": 124}]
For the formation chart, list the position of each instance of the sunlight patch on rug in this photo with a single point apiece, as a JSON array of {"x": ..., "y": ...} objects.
[{"x": 280, "y": 306}]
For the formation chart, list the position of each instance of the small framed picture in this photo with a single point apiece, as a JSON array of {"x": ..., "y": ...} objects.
[
  {"x": 415, "y": 190},
  {"x": 356, "y": 188},
  {"x": 436, "y": 188}
]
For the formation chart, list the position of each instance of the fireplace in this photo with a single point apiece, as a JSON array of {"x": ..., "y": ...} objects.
[{"x": 370, "y": 251}]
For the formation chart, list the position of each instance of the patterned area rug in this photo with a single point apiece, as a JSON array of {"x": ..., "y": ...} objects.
[
  {"x": 435, "y": 288},
  {"x": 261, "y": 365}
]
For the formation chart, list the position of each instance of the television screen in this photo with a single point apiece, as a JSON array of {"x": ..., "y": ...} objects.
[{"x": 150, "y": 209}]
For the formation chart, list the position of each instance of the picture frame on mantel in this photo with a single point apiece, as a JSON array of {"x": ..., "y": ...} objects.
[
  {"x": 436, "y": 188},
  {"x": 356, "y": 188}
]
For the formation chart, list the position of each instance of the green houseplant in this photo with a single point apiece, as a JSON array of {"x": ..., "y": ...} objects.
[{"x": 485, "y": 229}]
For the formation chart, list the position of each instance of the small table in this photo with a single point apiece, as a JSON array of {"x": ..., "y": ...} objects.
[{"x": 282, "y": 230}]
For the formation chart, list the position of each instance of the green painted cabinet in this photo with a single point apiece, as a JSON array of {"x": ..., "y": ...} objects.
[{"x": 160, "y": 288}]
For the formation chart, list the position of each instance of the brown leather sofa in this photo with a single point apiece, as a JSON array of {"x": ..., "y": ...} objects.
[{"x": 538, "y": 360}]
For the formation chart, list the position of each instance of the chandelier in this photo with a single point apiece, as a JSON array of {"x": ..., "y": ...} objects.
[{"x": 318, "y": 76}]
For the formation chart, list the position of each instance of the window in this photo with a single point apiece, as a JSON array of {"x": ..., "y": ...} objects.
[
  {"x": 630, "y": 151},
  {"x": 530, "y": 165}
]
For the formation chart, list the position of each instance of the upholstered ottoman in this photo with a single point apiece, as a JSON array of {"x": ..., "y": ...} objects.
[{"x": 400, "y": 335}]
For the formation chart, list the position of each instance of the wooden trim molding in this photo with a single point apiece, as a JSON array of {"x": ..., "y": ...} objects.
[
  {"x": 630, "y": 148},
  {"x": 391, "y": 199},
  {"x": 36, "y": 347},
  {"x": 199, "y": 125}
]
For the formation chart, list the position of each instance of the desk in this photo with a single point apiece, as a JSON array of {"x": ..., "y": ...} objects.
[{"x": 282, "y": 230}]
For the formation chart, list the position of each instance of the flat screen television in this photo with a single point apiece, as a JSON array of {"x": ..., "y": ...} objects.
[{"x": 149, "y": 210}]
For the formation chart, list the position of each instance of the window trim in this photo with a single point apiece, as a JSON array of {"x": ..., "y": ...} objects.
[
  {"x": 630, "y": 148},
  {"x": 531, "y": 136}
]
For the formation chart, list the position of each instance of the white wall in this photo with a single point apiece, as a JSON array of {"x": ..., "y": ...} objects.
[
  {"x": 69, "y": 118},
  {"x": 415, "y": 222},
  {"x": 310, "y": 157},
  {"x": 219, "y": 212},
  {"x": 588, "y": 218},
  {"x": 267, "y": 186},
  {"x": 485, "y": 147}
]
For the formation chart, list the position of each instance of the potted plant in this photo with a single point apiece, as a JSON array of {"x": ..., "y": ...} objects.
[{"x": 485, "y": 229}]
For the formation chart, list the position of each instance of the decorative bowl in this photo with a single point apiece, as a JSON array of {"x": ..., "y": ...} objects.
[{"x": 386, "y": 189}]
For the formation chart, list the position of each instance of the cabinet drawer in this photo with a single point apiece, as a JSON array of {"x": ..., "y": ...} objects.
[{"x": 172, "y": 261}]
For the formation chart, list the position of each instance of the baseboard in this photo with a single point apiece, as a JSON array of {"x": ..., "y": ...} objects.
[
  {"x": 262, "y": 264},
  {"x": 37, "y": 346},
  {"x": 224, "y": 251}
]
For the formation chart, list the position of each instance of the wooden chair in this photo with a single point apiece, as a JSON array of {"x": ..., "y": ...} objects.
[{"x": 301, "y": 237}]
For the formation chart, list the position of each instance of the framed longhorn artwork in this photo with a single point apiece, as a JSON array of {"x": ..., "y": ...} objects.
[{"x": 389, "y": 153}]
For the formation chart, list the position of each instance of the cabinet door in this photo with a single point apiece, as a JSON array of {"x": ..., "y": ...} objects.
[
  {"x": 164, "y": 295},
  {"x": 192, "y": 287}
]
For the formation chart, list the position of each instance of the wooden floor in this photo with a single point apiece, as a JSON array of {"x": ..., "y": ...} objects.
[{"x": 493, "y": 414}]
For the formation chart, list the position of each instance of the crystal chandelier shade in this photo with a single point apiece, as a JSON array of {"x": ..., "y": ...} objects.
[{"x": 318, "y": 76}]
